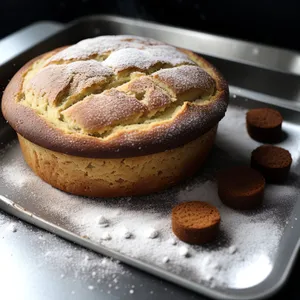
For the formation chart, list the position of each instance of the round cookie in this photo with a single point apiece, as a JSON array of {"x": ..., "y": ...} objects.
[
  {"x": 241, "y": 187},
  {"x": 264, "y": 124},
  {"x": 195, "y": 222},
  {"x": 272, "y": 162}
]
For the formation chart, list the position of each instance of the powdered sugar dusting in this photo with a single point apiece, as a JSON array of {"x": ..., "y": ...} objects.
[
  {"x": 184, "y": 251},
  {"x": 143, "y": 59},
  {"x": 75, "y": 77},
  {"x": 65, "y": 259},
  {"x": 102, "y": 221},
  {"x": 152, "y": 233},
  {"x": 102, "y": 45},
  {"x": 237, "y": 259},
  {"x": 12, "y": 227},
  {"x": 98, "y": 111},
  {"x": 184, "y": 78},
  {"x": 128, "y": 58}
]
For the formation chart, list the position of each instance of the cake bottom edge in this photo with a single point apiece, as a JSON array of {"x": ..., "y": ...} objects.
[{"x": 97, "y": 177}]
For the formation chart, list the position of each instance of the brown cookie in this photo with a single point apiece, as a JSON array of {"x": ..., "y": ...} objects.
[
  {"x": 272, "y": 162},
  {"x": 241, "y": 187},
  {"x": 264, "y": 124},
  {"x": 195, "y": 222}
]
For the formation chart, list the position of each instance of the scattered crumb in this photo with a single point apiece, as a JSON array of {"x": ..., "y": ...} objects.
[
  {"x": 173, "y": 241},
  {"x": 165, "y": 259},
  {"x": 13, "y": 227},
  {"x": 102, "y": 221},
  {"x": 184, "y": 251},
  {"x": 126, "y": 233},
  {"x": 232, "y": 249},
  {"x": 105, "y": 236},
  {"x": 152, "y": 233}
]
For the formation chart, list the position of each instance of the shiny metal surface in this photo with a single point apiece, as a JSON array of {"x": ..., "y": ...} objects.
[
  {"x": 23, "y": 39},
  {"x": 217, "y": 46},
  {"x": 105, "y": 25}
]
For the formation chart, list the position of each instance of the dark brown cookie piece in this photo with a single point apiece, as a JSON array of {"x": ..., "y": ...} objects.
[
  {"x": 241, "y": 187},
  {"x": 195, "y": 222},
  {"x": 272, "y": 162},
  {"x": 264, "y": 125}
]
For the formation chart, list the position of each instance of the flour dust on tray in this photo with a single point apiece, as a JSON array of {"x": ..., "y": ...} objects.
[
  {"x": 140, "y": 227},
  {"x": 67, "y": 260}
]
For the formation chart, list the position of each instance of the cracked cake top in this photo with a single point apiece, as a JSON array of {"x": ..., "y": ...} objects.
[{"x": 115, "y": 96}]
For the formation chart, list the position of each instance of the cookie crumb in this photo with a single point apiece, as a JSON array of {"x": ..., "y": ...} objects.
[
  {"x": 13, "y": 227},
  {"x": 126, "y": 233},
  {"x": 102, "y": 221},
  {"x": 105, "y": 236},
  {"x": 232, "y": 249},
  {"x": 173, "y": 241},
  {"x": 152, "y": 233},
  {"x": 184, "y": 251},
  {"x": 165, "y": 259}
]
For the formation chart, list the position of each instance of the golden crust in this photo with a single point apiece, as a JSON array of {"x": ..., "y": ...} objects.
[
  {"x": 168, "y": 115},
  {"x": 98, "y": 111},
  {"x": 98, "y": 177}
]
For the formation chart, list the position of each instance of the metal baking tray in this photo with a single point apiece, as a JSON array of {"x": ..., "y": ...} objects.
[{"x": 258, "y": 76}]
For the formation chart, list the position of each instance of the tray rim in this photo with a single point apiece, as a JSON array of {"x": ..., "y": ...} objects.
[
  {"x": 274, "y": 52},
  {"x": 256, "y": 292}
]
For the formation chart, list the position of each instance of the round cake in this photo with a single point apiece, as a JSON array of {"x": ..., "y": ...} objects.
[
  {"x": 115, "y": 115},
  {"x": 264, "y": 124},
  {"x": 241, "y": 187},
  {"x": 272, "y": 162},
  {"x": 195, "y": 222}
]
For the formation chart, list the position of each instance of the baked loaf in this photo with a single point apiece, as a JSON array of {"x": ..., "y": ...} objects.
[{"x": 115, "y": 115}]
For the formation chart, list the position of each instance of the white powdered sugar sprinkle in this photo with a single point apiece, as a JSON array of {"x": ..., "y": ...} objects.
[
  {"x": 152, "y": 233},
  {"x": 165, "y": 259},
  {"x": 173, "y": 241},
  {"x": 106, "y": 236},
  {"x": 12, "y": 227},
  {"x": 232, "y": 249},
  {"x": 125, "y": 233},
  {"x": 104, "y": 45},
  {"x": 102, "y": 221},
  {"x": 145, "y": 58},
  {"x": 67, "y": 260},
  {"x": 184, "y": 251},
  {"x": 242, "y": 256},
  {"x": 184, "y": 78}
]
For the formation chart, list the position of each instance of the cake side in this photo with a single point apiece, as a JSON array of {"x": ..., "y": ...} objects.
[{"x": 102, "y": 177}]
